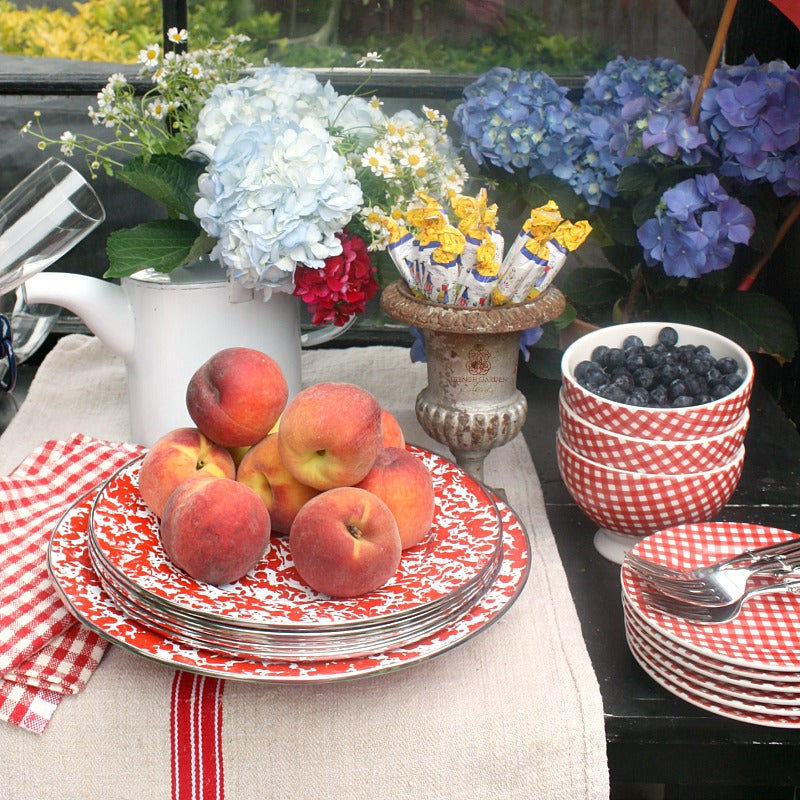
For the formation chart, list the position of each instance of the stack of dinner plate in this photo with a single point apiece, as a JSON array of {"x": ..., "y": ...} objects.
[
  {"x": 746, "y": 669},
  {"x": 270, "y": 614}
]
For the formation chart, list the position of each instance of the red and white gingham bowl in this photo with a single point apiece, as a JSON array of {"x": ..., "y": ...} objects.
[
  {"x": 649, "y": 455},
  {"x": 637, "y": 503},
  {"x": 693, "y": 422}
]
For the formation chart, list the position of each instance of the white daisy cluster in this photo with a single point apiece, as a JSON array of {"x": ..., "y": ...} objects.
[
  {"x": 412, "y": 155},
  {"x": 162, "y": 120}
]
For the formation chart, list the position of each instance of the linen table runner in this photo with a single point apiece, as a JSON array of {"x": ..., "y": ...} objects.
[{"x": 514, "y": 713}]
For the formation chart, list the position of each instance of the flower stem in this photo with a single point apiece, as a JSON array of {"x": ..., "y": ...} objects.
[
  {"x": 714, "y": 54},
  {"x": 785, "y": 227},
  {"x": 633, "y": 296}
]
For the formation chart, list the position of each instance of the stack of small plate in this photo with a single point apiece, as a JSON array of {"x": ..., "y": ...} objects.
[
  {"x": 270, "y": 614},
  {"x": 746, "y": 669}
]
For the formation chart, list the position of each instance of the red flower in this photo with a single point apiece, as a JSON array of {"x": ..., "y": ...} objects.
[{"x": 342, "y": 287}]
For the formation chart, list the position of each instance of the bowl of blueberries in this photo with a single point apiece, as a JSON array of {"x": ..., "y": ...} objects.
[
  {"x": 653, "y": 380},
  {"x": 652, "y": 420}
]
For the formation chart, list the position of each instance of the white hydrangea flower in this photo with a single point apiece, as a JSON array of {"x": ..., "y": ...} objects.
[{"x": 275, "y": 194}]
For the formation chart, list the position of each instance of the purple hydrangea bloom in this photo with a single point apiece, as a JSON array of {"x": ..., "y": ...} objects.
[
  {"x": 528, "y": 338},
  {"x": 634, "y": 110},
  {"x": 751, "y": 113},
  {"x": 696, "y": 228}
]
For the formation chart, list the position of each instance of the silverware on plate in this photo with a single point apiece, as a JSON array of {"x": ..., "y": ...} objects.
[
  {"x": 715, "y": 615},
  {"x": 720, "y": 583}
]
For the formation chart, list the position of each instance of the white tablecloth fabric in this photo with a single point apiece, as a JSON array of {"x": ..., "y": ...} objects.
[{"x": 514, "y": 713}]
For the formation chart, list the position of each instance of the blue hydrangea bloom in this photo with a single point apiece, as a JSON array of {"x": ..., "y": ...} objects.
[
  {"x": 696, "y": 228},
  {"x": 515, "y": 120}
]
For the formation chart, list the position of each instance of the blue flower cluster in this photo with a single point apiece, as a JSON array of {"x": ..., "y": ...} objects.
[
  {"x": 515, "y": 120},
  {"x": 631, "y": 110},
  {"x": 752, "y": 115},
  {"x": 696, "y": 228}
]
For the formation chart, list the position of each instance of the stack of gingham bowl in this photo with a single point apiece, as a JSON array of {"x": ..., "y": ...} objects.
[{"x": 637, "y": 458}]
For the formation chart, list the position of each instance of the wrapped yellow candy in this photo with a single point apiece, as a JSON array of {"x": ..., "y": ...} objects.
[
  {"x": 572, "y": 234},
  {"x": 475, "y": 215}
]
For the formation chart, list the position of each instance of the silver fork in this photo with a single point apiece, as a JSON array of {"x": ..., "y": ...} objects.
[
  {"x": 715, "y": 615},
  {"x": 745, "y": 558},
  {"x": 716, "y": 584},
  {"x": 723, "y": 586}
]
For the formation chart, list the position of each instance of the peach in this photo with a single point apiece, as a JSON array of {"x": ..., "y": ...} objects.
[
  {"x": 330, "y": 434},
  {"x": 178, "y": 455},
  {"x": 263, "y": 471},
  {"x": 237, "y": 396},
  {"x": 215, "y": 530},
  {"x": 391, "y": 430},
  {"x": 345, "y": 542},
  {"x": 404, "y": 483}
]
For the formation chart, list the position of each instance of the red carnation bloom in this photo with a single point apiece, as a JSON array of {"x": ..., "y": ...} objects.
[{"x": 342, "y": 287}]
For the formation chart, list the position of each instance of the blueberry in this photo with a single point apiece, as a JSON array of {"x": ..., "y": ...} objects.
[
  {"x": 668, "y": 373},
  {"x": 645, "y": 377},
  {"x": 615, "y": 357},
  {"x": 702, "y": 398},
  {"x": 668, "y": 336},
  {"x": 581, "y": 370},
  {"x": 612, "y": 392},
  {"x": 599, "y": 354},
  {"x": 639, "y": 397},
  {"x": 701, "y": 363},
  {"x": 727, "y": 365},
  {"x": 677, "y": 388},
  {"x": 733, "y": 381},
  {"x": 720, "y": 390},
  {"x": 632, "y": 341},
  {"x": 696, "y": 384},
  {"x": 624, "y": 380},
  {"x": 635, "y": 359},
  {"x": 654, "y": 357},
  {"x": 683, "y": 401},
  {"x": 658, "y": 395}
]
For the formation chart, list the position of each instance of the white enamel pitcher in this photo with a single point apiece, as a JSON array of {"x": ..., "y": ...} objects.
[{"x": 165, "y": 326}]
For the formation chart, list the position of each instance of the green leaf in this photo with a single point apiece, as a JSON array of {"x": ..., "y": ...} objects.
[
  {"x": 545, "y": 362},
  {"x": 547, "y": 187},
  {"x": 637, "y": 179},
  {"x": 759, "y": 323},
  {"x": 565, "y": 318},
  {"x": 170, "y": 180},
  {"x": 645, "y": 208},
  {"x": 617, "y": 224},
  {"x": 590, "y": 286},
  {"x": 162, "y": 245}
]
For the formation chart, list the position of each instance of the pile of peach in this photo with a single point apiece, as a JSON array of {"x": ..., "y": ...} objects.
[{"x": 329, "y": 468}]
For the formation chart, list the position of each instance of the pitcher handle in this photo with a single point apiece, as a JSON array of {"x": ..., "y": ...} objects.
[{"x": 325, "y": 333}]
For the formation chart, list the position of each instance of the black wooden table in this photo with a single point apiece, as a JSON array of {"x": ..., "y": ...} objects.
[{"x": 653, "y": 736}]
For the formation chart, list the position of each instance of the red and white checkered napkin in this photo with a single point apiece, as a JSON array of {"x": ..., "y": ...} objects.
[{"x": 44, "y": 653}]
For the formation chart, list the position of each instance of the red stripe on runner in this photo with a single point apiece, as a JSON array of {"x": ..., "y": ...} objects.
[{"x": 196, "y": 738}]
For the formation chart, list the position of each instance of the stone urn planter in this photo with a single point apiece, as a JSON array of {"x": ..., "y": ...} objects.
[{"x": 471, "y": 402}]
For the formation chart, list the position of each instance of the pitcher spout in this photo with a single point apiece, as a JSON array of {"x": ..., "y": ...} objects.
[{"x": 100, "y": 304}]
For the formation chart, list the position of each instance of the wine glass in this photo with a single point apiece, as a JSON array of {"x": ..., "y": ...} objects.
[{"x": 41, "y": 219}]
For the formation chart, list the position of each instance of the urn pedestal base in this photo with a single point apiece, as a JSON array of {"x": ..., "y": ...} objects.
[{"x": 471, "y": 402}]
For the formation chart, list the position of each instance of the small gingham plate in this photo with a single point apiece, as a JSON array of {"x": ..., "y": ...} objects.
[
  {"x": 694, "y": 672},
  {"x": 706, "y": 697},
  {"x": 765, "y": 635}
]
